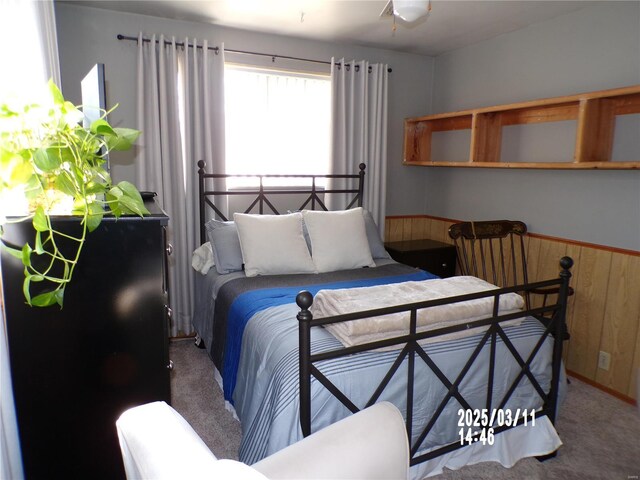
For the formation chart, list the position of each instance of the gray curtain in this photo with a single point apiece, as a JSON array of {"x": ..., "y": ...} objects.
[
  {"x": 181, "y": 115},
  {"x": 359, "y": 128}
]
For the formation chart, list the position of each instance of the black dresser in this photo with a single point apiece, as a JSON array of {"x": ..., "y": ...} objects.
[{"x": 76, "y": 369}]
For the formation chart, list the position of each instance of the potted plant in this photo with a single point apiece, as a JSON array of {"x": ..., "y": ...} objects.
[{"x": 51, "y": 165}]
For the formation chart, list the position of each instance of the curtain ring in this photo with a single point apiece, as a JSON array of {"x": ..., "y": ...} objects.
[{"x": 357, "y": 68}]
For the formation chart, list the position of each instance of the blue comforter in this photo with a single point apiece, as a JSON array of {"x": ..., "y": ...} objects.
[{"x": 247, "y": 304}]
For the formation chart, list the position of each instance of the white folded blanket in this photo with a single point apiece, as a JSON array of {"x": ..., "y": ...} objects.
[{"x": 356, "y": 332}]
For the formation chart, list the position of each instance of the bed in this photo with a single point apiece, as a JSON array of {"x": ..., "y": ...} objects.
[{"x": 476, "y": 374}]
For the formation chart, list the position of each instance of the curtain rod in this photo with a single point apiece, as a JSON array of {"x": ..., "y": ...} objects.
[{"x": 243, "y": 52}]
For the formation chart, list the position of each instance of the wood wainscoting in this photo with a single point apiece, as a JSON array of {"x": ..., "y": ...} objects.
[{"x": 604, "y": 313}]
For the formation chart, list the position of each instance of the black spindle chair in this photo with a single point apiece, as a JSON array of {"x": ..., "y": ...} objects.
[{"x": 494, "y": 251}]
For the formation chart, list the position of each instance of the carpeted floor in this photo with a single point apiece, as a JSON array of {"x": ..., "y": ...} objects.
[{"x": 601, "y": 433}]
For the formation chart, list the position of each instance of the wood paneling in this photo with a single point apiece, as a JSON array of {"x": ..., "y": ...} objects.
[
  {"x": 418, "y": 228},
  {"x": 602, "y": 315},
  {"x": 635, "y": 370},
  {"x": 540, "y": 259},
  {"x": 439, "y": 231},
  {"x": 620, "y": 328},
  {"x": 395, "y": 231},
  {"x": 588, "y": 312},
  {"x": 573, "y": 251}
]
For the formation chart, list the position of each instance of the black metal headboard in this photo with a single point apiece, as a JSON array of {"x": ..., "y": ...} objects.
[{"x": 312, "y": 202}]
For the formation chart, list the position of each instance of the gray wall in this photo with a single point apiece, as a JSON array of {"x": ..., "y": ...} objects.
[
  {"x": 594, "y": 48},
  {"x": 88, "y": 35}
]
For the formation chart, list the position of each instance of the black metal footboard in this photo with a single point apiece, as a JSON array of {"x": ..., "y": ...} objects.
[{"x": 551, "y": 316}]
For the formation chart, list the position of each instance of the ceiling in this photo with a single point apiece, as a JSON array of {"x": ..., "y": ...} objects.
[{"x": 452, "y": 23}]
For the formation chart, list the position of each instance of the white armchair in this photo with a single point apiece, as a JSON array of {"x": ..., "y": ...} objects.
[{"x": 157, "y": 443}]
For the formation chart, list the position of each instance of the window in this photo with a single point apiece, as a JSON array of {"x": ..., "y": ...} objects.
[{"x": 276, "y": 122}]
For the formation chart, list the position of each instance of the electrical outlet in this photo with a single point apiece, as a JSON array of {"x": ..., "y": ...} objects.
[{"x": 604, "y": 360}]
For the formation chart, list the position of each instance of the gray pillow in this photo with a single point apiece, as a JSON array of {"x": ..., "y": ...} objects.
[
  {"x": 225, "y": 244},
  {"x": 376, "y": 245}
]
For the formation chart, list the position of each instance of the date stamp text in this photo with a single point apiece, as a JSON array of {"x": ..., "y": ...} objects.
[{"x": 479, "y": 424}]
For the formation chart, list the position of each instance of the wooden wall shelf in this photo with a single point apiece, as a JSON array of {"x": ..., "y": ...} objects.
[{"x": 594, "y": 113}]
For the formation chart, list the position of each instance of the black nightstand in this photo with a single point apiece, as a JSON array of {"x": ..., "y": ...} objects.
[{"x": 436, "y": 257}]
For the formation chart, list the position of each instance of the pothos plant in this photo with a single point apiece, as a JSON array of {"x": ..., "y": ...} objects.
[{"x": 51, "y": 165}]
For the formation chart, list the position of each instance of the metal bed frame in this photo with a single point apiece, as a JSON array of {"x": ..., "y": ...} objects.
[
  {"x": 554, "y": 326},
  {"x": 313, "y": 201},
  {"x": 552, "y": 316}
]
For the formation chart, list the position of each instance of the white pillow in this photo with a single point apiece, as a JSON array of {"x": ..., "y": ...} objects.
[
  {"x": 338, "y": 239},
  {"x": 273, "y": 244}
]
